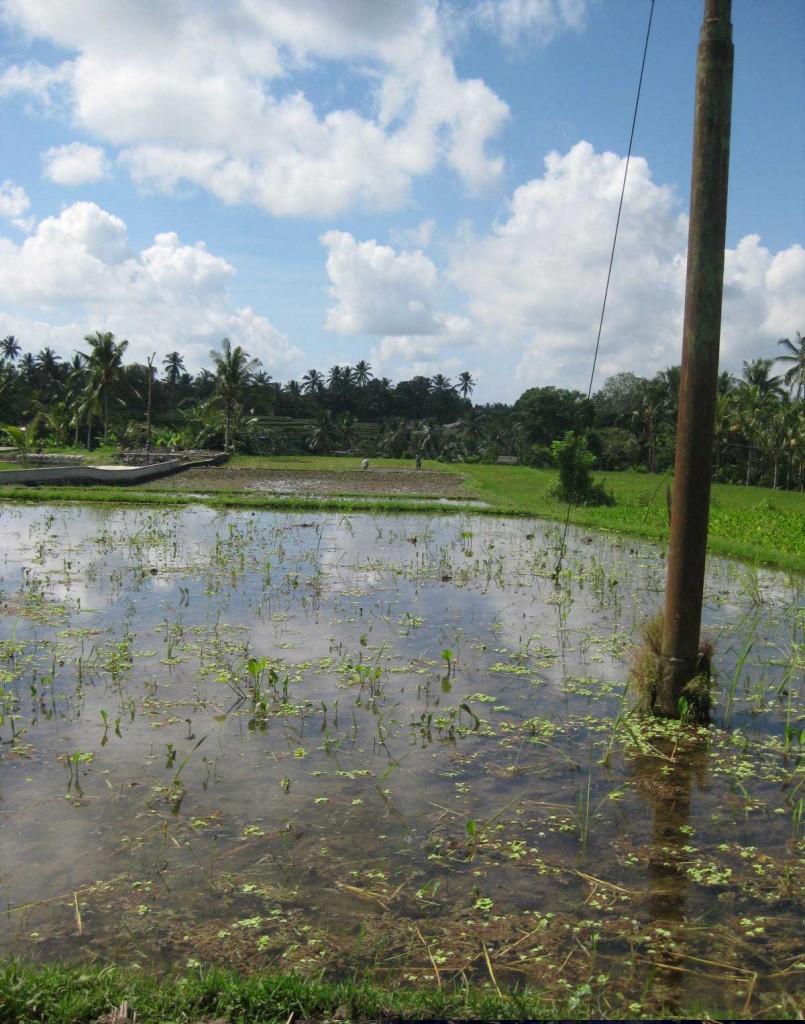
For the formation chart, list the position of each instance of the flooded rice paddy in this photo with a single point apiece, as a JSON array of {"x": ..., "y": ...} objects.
[{"x": 400, "y": 745}]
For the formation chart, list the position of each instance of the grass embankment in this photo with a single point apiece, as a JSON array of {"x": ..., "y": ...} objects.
[
  {"x": 83, "y": 995},
  {"x": 749, "y": 523}
]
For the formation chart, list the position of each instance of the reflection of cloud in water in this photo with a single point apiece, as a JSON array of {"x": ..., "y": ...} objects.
[{"x": 328, "y": 601}]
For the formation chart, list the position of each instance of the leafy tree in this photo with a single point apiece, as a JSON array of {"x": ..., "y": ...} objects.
[
  {"x": 377, "y": 398},
  {"x": 619, "y": 398},
  {"x": 411, "y": 397},
  {"x": 548, "y": 413}
]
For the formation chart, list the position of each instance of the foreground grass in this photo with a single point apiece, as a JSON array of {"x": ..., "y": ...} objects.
[
  {"x": 750, "y": 523},
  {"x": 81, "y": 995}
]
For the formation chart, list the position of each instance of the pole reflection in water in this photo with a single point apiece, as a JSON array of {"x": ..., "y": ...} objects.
[{"x": 666, "y": 780}]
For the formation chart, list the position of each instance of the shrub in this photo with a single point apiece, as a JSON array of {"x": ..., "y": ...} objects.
[{"x": 575, "y": 462}]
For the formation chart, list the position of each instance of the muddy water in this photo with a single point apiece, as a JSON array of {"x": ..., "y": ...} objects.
[{"x": 394, "y": 744}]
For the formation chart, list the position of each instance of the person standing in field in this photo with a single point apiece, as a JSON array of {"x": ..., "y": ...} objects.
[{"x": 365, "y": 464}]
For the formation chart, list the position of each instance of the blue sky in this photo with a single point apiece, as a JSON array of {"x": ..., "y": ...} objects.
[{"x": 429, "y": 186}]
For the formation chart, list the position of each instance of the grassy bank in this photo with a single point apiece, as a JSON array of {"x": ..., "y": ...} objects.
[
  {"x": 750, "y": 523},
  {"x": 82, "y": 995}
]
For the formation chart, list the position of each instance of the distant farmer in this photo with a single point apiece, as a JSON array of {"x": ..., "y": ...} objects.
[
  {"x": 418, "y": 461},
  {"x": 365, "y": 464}
]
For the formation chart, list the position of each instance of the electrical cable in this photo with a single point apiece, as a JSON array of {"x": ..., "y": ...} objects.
[{"x": 562, "y": 544}]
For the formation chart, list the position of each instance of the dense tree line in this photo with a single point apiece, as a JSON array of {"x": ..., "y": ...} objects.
[{"x": 629, "y": 423}]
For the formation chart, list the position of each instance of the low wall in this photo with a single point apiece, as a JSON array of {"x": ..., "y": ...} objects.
[{"x": 109, "y": 475}]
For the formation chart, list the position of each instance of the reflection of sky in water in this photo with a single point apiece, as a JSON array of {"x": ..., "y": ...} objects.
[{"x": 151, "y": 615}]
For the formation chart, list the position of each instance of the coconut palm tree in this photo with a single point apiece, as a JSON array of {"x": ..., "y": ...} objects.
[
  {"x": 76, "y": 383},
  {"x": 204, "y": 383},
  {"x": 28, "y": 369},
  {"x": 362, "y": 373},
  {"x": 10, "y": 348},
  {"x": 346, "y": 430},
  {"x": 323, "y": 437},
  {"x": 234, "y": 370},
  {"x": 794, "y": 376},
  {"x": 104, "y": 363},
  {"x": 340, "y": 383},
  {"x": 47, "y": 365},
  {"x": 753, "y": 409},
  {"x": 173, "y": 364},
  {"x": 89, "y": 410},
  {"x": 441, "y": 384},
  {"x": 757, "y": 372},
  {"x": 466, "y": 385},
  {"x": 23, "y": 438},
  {"x": 293, "y": 396},
  {"x": 394, "y": 438},
  {"x": 313, "y": 382},
  {"x": 427, "y": 437}
]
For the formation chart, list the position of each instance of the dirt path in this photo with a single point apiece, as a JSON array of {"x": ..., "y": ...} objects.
[{"x": 320, "y": 483}]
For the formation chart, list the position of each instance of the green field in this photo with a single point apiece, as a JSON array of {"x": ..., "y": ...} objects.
[{"x": 750, "y": 523}]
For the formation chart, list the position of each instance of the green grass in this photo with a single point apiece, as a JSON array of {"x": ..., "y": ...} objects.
[
  {"x": 754, "y": 524},
  {"x": 57, "y": 993}
]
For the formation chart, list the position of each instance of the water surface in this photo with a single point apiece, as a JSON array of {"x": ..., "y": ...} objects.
[{"x": 393, "y": 743}]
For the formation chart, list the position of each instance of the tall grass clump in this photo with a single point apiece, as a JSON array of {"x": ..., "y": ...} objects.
[{"x": 697, "y": 696}]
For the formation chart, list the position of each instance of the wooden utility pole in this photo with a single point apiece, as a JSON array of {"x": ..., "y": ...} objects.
[
  {"x": 678, "y": 662},
  {"x": 150, "y": 364}
]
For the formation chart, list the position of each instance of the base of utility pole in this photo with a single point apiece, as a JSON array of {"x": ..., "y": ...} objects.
[{"x": 673, "y": 675}]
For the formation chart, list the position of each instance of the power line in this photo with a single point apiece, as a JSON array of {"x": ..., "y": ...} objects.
[{"x": 611, "y": 256}]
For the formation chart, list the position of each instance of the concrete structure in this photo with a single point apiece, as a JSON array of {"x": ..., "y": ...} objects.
[{"x": 109, "y": 475}]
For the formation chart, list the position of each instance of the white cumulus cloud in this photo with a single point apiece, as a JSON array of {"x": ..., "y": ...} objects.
[
  {"x": 77, "y": 273},
  {"x": 75, "y": 164},
  {"x": 444, "y": 351},
  {"x": 534, "y": 284},
  {"x": 377, "y": 290},
  {"x": 215, "y": 95},
  {"x": 15, "y": 204}
]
